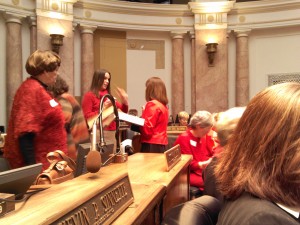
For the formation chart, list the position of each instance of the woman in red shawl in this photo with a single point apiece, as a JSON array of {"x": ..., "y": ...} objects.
[{"x": 36, "y": 124}]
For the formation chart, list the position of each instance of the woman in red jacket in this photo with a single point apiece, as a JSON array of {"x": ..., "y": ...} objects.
[{"x": 155, "y": 112}]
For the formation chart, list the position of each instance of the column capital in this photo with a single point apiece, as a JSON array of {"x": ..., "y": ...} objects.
[
  {"x": 242, "y": 32},
  {"x": 32, "y": 21},
  {"x": 13, "y": 18},
  {"x": 192, "y": 34},
  {"x": 87, "y": 29},
  {"x": 178, "y": 34}
]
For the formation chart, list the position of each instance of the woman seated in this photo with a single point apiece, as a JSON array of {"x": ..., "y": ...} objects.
[
  {"x": 258, "y": 172},
  {"x": 196, "y": 142}
]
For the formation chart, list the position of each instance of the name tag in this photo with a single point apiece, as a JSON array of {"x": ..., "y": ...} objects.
[
  {"x": 193, "y": 143},
  {"x": 53, "y": 103}
]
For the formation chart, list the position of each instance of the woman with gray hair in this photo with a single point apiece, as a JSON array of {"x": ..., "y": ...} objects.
[{"x": 195, "y": 141}]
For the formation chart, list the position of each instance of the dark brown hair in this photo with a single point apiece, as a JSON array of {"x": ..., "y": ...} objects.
[
  {"x": 97, "y": 82},
  {"x": 156, "y": 90},
  {"x": 59, "y": 87},
  {"x": 263, "y": 155},
  {"x": 41, "y": 61}
]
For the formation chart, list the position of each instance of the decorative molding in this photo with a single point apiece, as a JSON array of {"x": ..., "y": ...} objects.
[
  {"x": 153, "y": 45},
  {"x": 61, "y": 9},
  {"x": 134, "y": 8},
  {"x": 283, "y": 77},
  {"x": 211, "y": 15}
]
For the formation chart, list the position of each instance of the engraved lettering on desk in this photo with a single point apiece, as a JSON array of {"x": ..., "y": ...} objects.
[
  {"x": 114, "y": 196},
  {"x": 79, "y": 218},
  {"x": 96, "y": 210},
  {"x": 104, "y": 217}
]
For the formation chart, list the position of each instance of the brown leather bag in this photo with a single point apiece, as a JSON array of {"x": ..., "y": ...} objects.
[{"x": 61, "y": 169}]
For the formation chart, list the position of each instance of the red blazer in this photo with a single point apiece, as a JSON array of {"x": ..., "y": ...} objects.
[{"x": 154, "y": 130}]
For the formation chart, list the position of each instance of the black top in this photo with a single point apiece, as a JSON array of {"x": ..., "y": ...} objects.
[{"x": 250, "y": 210}]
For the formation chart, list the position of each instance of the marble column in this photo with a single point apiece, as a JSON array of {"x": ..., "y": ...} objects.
[
  {"x": 242, "y": 67},
  {"x": 193, "y": 74},
  {"x": 33, "y": 34},
  {"x": 13, "y": 57},
  {"x": 177, "y": 79},
  {"x": 87, "y": 57}
]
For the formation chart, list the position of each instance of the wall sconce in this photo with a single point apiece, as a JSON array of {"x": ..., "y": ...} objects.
[
  {"x": 56, "y": 42},
  {"x": 211, "y": 49}
]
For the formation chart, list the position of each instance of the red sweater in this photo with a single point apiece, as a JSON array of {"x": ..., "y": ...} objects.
[
  {"x": 91, "y": 104},
  {"x": 200, "y": 149},
  {"x": 35, "y": 111}
]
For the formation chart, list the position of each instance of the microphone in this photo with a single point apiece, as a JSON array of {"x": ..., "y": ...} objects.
[{"x": 93, "y": 159}]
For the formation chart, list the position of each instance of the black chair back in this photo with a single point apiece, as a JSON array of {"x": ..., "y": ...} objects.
[{"x": 201, "y": 211}]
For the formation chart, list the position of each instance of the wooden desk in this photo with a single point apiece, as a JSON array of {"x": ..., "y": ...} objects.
[
  {"x": 150, "y": 168},
  {"x": 146, "y": 206},
  {"x": 153, "y": 188},
  {"x": 56, "y": 203}
]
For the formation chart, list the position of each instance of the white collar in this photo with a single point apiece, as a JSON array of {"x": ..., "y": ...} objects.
[{"x": 290, "y": 211}]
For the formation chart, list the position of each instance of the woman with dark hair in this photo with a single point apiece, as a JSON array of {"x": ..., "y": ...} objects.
[
  {"x": 155, "y": 112},
  {"x": 258, "y": 172},
  {"x": 100, "y": 86},
  {"x": 36, "y": 124},
  {"x": 75, "y": 124}
]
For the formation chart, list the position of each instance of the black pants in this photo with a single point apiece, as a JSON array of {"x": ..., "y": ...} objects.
[{"x": 153, "y": 148}]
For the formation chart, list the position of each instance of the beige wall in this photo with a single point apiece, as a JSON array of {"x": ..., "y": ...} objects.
[{"x": 272, "y": 48}]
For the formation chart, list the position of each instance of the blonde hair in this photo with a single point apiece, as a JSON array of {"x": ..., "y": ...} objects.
[
  {"x": 184, "y": 115},
  {"x": 226, "y": 123}
]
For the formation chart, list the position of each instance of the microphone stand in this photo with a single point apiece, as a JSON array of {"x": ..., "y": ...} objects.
[{"x": 119, "y": 156}]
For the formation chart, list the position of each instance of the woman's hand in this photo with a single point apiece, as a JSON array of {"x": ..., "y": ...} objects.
[
  {"x": 122, "y": 95},
  {"x": 203, "y": 164}
]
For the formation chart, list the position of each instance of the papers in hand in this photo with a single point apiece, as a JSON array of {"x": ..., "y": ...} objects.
[
  {"x": 131, "y": 119},
  {"x": 108, "y": 116}
]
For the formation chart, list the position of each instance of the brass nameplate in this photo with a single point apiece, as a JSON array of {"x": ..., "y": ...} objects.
[
  {"x": 103, "y": 208},
  {"x": 173, "y": 156},
  {"x": 176, "y": 128}
]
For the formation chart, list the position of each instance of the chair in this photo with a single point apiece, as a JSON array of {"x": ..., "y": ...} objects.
[
  {"x": 4, "y": 165},
  {"x": 195, "y": 192},
  {"x": 201, "y": 211},
  {"x": 136, "y": 143}
]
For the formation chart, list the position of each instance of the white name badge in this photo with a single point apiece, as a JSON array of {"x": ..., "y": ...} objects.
[
  {"x": 53, "y": 103},
  {"x": 193, "y": 143}
]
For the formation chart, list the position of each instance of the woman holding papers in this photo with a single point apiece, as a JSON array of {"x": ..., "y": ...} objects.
[
  {"x": 91, "y": 100},
  {"x": 155, "y": 113}
]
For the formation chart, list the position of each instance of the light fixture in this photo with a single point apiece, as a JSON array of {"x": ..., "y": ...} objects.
[
  {"x": 211, "y": 49},
  {"x": 56, "y": 42}
]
